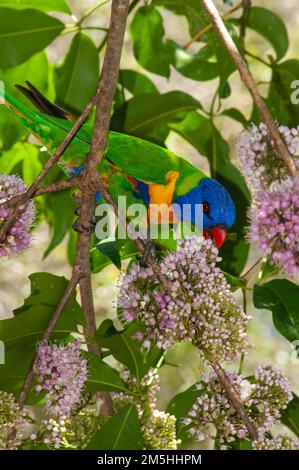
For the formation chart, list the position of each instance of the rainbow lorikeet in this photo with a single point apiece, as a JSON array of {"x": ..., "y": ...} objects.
[{"x": 131, "y": 165}]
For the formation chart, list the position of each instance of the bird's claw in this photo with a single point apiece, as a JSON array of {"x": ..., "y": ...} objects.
[
  {"x": 80, "y": 228},
  {"x": 149, "y": 249}
]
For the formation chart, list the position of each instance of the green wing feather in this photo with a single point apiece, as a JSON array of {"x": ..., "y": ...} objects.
[{"x": 138, "y": 158}]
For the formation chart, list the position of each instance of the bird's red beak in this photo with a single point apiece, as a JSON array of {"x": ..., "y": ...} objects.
[{"x": 218, "y": 235}]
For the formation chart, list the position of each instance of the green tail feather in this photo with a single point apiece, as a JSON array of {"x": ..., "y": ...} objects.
[{"x": 138, "y": 158}]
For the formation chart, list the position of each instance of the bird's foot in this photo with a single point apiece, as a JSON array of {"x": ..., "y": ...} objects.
[
  {"x": 149, "y": 250},
  {"x": 88, "y": 227}
]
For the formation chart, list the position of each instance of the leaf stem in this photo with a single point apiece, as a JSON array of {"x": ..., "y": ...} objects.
[
  {"x": 91, "y": 11},
  {"x": 208, "y": 28}
]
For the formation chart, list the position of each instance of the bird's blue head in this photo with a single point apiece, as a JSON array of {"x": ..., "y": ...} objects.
[{"x": 218, "y": 208}]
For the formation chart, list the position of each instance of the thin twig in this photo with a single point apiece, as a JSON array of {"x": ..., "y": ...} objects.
[
  {"x": 208, "y": 28},
  {"x": 250, "y": 84},
  {"x": 91, "y": 11},
  {"x": 49, "y": 188},
  {"x": 254, "y": 269},
  {"x": 235, "y": 400}
]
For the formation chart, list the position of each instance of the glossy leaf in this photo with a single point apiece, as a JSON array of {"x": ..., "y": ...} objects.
[
  {"x": 35, "y": 69},
  {"x": 21, "y": 333},
  {"x": 147, "y": 32},
  {"x": 271, "y": 27},
  {"x": 100, "y": 261},
  {"x": 198, "y": 19},
  {"x": 147, "y": 111},
  {"x": 101, "y": 376},
  {"x": 45, "y": 5},
  {"x": 196, "y": 66},
  {"x": 59, "y": 211},
  {"x": 77, "y": 76},
  {"x": 136, "y": 83},
  {"x": 179, "y": 406},
  {"x": 281, "y": 297},
  {"x": 126, "y": 349},
  {"x": 290, "y": 416},
  {"x": 109, "y": 249},
  {"x": 25, "y": 157},
  {"x": 237, "y": 115},
  {"x": 121, "y": 432},
  {"x": 23, "y": 33},
  {"x": 283, "y": 96}
]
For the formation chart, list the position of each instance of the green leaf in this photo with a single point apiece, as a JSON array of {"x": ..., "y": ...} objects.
[
  {"x": 108, "y": 248},
  {"x": 195, "y": 66},
  {"x": 235, "y": 114},
  {"x": 281, "y": 297},
  {"x": 148, "y": 111},
  {"x": 290, "y": 416},
  {"x": 234, "y": 281},
  {"x": 59, "y": 210},
  {"x": 21, "y": 333},
  {"x": 60, "y": 216},
  {"x": 100, "y": 261},
  {"x": 198, "y": 19},
  {"x": 36, "y": 69},
  {"x": 147, "y": 32},
  {"x": 22, "y": 158},
  {"x": 282, "y": 93},
  {"x": 271, "y": 27},
  {"x": 127, "y": 350},
  {"x": 23, "y": 33},
  {"x": 203, "y": 135},
  {"x": 77, "y": 76},
  {"x": 45, "y": 5},
  {"x": 46, "y": 292},
  {"x": 240, "y": 444},
  {"x": 136, "y": 83},
  {"x": 101, "y": 376},
  {"x": 179, "y": 406},
  {"x": 121, "y": 432}
]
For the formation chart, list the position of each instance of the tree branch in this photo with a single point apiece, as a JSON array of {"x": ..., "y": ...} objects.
[
  {"x": 90, "y": 181},
  {"x": 50, "y": 188},
  {"x": 235, "y": 400},
  {"x": 250, "y": 84},
  {"x": 89, "y": 185}
]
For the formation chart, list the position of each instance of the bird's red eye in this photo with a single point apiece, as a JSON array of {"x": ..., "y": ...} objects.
[{"x": 205, "y": 207}]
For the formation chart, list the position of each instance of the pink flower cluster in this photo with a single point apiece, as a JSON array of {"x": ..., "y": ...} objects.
[
  {"x": 275, "y": 224},
  {"x": 199, "y": 308},
  {"x": 18, "y": 237},
  {"x": 260, "y": 162},
  {"x": 274, "y": 214},
  {"x": 263, "y": 398},
  {"x": 61, "y": 373}
]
